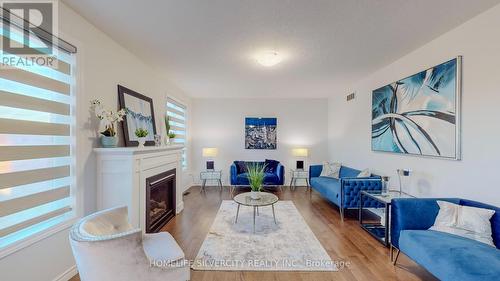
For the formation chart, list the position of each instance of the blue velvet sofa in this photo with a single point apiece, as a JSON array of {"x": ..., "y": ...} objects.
[
  {"x": 446, "y": 256},
  {"x": 344, "y": 192},
  {"x": 274, "y": 176}
]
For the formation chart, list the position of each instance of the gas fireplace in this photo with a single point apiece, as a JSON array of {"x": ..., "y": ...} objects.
[{"x": 160, "y": 200}]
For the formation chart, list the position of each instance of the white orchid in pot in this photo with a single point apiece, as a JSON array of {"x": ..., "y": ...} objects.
[{"x": 108, "y": 120}]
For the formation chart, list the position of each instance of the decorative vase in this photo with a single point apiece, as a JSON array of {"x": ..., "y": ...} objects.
[
  {"x": 141, "y": 141},
  {"x": 255, "y": 195},
  {"x": 108, "y": 142}
]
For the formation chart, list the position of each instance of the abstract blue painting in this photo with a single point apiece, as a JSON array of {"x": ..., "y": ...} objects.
[
  {"x": 419, "y": 114},
  {"x": 260, "y": 133}
]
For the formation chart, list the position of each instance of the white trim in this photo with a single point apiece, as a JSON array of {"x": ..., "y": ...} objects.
[
  {"x": 68, "y": 274},
  {"x": 179, "y": 207},
  {"x": 32, "y": 239}
]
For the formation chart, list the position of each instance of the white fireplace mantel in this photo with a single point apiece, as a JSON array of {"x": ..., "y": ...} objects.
[{"x": 122, "y": 174}]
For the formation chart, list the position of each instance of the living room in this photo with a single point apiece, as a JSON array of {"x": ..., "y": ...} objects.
[{"x": 239, "y": 140}]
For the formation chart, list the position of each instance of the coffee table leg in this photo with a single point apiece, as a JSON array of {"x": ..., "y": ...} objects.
[
  {"x": 274, "y": 216},
  {"x": 254, "y": 219},
  {"x": 237, "y": 213}
]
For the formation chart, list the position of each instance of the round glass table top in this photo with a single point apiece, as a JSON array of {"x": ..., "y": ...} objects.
[{"x": 265, "y": 199}]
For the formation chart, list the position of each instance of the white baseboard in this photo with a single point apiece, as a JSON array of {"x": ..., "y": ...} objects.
[
  {"x": 179, "y": 207},
  {"x": 68, "y": 274}
]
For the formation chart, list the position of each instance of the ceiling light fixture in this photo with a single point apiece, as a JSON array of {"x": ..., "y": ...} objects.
[{"x": 268, "y": 58}]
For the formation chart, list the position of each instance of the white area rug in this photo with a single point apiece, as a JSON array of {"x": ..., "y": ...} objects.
[{"x": 288, "y": 246}]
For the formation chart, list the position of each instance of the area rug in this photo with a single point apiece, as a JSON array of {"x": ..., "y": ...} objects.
[{"x": 289, "y": 245}]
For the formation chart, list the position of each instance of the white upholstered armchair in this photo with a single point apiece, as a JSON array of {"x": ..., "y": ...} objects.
[{"x": 107, "y": 248}]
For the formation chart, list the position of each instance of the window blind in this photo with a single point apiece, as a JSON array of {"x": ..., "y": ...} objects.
[
  {"x": 36, "y": 146},
  {"x": 176, "y": 111}
]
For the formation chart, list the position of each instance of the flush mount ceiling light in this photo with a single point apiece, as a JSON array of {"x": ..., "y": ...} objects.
[{"x": 268, "y": 58}]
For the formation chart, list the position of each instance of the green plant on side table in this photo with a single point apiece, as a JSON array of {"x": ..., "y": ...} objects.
[
  {"x": 256, "y": 179},
  {"x": 141, "y": 135}
]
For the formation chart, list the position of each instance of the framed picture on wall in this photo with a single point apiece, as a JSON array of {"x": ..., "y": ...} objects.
[
  {"x": 140, "y": 114},
  {"x": 260, "y": 133},
  {"x": 420, "y": 114}
]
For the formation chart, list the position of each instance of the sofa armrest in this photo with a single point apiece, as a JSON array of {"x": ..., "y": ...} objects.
[
  {"x": 280, "y": 172},
  {"x": 413, "y": 214},
  {"x": 315, "y": 171},
  {"x": 233, "y": 171},
  {"x": 351, "y": 187}
]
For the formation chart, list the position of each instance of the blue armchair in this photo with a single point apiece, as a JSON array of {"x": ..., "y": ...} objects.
[
  {"x": 446, "y": 256},
  {"x": 273, "y": 177},
  {"x": 344, "y": 192}
]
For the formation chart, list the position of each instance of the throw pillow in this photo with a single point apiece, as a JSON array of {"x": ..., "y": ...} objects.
[
  {"x": 447, "y": 215},
  {"x": 241, "y": 167},
  {"x": 469, "y": 222},
  {"x": 475, "y": 219},
  {"x": 331, "y": 170},
  {"x": 271, "y": 166},
  {"x": 365, "y": 173}
]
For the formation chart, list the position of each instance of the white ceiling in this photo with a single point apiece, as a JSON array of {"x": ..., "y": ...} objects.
[{"x": 206, "y": 46}]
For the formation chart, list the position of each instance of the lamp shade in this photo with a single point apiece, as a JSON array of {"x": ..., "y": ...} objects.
[
  {"x": 300, "y": 152},
  {"x": 210, "y": 152}
]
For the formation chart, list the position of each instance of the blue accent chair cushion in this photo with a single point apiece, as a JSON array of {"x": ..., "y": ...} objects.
[
  {"x": 343, "y": 192},
  {"x": 239, "y": 176},
  {"x": 447, "y": 256}
]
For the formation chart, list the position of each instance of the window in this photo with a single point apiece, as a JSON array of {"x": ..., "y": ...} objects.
[
  {"x": 176, "y": 111},
  {"x": 36, "y": 147}
]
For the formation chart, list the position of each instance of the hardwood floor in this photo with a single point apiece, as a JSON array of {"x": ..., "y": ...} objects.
[{"x": 346, "y": 241}]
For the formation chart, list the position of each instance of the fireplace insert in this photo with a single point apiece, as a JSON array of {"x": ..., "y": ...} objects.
[{"x": 160, "y": 200}]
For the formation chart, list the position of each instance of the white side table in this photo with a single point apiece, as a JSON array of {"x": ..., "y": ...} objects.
[
  {"x": 211, "y": 175},
  {"x": 298, "y": 175}
]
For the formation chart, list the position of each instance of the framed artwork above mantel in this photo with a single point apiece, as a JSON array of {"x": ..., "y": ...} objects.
[
  {"x": 140, "y": 114},
  {"x": 420, "y": 114}
]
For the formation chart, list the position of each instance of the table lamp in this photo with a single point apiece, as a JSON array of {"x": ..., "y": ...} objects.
[
  {"x": 210, "y": 153},
  {"x": 300, "y": 152}
]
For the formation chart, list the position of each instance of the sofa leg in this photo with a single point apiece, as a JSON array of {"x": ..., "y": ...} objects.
[
  {"x": 342, "y": 214},
  {"x": 396, "y": 258}
]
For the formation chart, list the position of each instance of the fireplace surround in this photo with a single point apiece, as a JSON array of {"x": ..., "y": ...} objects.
[{"x": 122, "y": 177}]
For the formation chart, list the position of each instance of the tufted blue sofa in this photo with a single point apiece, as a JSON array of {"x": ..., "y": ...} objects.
[
  {"x": 446, "y": 256},
  {"x": 271, "y": 179},
  {"x": 344, "y": 192}
]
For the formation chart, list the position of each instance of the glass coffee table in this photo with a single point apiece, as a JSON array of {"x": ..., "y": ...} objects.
[{"x": 265, "y": 199}]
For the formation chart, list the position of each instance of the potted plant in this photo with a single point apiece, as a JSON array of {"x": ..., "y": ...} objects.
[
  {"x": 107, "y": 125},
  {"x": 170, "y": 134},
  {"x": 256, "y": 179},
  {"x": 141, "y": 134}
]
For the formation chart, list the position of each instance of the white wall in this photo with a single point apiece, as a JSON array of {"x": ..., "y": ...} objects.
[
  {"x": 221, "y": 123},
  {"x": 475, "y": 177},
  {"x": 102, "y": 64}
]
